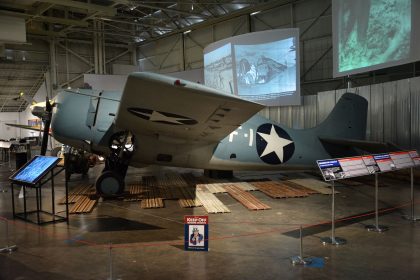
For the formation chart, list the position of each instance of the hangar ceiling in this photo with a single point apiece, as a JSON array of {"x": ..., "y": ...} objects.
[{"x": 127, "y": 22}]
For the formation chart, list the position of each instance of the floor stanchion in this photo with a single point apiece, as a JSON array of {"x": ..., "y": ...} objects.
[
  {"x": 333, "y": 240},
  {"x": 377, "y": 227},
  {"x": 300, "y": 260},
  {"x": 412, "y": 216}
]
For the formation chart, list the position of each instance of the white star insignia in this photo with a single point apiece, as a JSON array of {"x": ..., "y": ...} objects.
[
  {"x": 275, "y": 143},
  {"x": 158, "y": 117}
]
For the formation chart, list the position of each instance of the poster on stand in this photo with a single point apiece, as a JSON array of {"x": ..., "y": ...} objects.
[{"x": 196, "y": 233}]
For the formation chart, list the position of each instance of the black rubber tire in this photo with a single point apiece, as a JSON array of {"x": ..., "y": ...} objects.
[{"x": 109, "y": 183}]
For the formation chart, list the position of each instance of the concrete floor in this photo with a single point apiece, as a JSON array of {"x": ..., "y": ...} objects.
[{"x": 147, "y": 243}]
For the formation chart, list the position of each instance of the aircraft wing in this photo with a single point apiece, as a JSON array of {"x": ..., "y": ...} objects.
[
  {"x": 168, "y": 107},
  {"x": 34, "y": 128}
]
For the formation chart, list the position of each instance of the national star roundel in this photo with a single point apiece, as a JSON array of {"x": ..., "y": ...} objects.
[
  {"x": 161, "y": 117},
  {"x": 274, "y": 145}
]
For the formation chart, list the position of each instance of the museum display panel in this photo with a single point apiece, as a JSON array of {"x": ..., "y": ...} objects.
[
  {"x": 374, "y": 34},
  {"x": 259, "y": 66}
]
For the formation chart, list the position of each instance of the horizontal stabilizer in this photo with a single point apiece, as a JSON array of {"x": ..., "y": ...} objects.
[{"x": 368, "y": 146}]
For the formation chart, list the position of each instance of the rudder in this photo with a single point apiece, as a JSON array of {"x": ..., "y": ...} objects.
[{"x": 347, "y": 120}]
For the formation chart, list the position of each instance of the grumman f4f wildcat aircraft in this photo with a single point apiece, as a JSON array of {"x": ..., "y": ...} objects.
[{"x": 160, "y": 120}]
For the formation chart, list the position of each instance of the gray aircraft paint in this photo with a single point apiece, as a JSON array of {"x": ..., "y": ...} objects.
[{"x": 85, "y": 119}]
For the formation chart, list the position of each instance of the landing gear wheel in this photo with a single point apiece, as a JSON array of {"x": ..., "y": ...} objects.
[{"x": 109, "y": 183}]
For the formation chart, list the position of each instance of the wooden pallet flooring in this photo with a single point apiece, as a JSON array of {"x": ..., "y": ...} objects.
[
  {"x": 245, "y": 198},
  {"x": 210, "y": 202},
  {"x": 152, "y": 198},
  {"x": 314, "y": 184},
  {"x": 74, "y": 195},
  {"x": 84, "y": 205},
  {"x": 220, "y": 187},
  {"x": 299, "y": 187},
  {"x": 150, "y": 203},
  {"x": 189, "y": 198},
  {"x": 213, "y": 188},
  {"x": 279, "y": 189}
]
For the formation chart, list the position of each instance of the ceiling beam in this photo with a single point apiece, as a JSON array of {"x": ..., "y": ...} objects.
[
  {"x": 144, "y": 5},
  {"x": 62, "y": 21},
  {"x": 81, "y": 5},
  {"x": 14, "y": 6},
  {"x": 45, "y": 32}
]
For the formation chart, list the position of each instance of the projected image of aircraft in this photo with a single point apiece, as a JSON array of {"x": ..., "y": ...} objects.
[
  {"x": 262, "y": 72},
  {"x": 159, "y": 120}
]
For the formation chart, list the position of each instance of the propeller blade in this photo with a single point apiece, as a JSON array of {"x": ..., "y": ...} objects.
[{"x": 47, "y": 122}]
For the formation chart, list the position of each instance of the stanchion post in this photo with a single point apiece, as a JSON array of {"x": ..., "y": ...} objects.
[
  {"x": 333, "y": 240},
  {"x": 376, "y": 227},
  {"x": 412, "y": 216},
  {"x": 300, "y": 260},
  {"x": 8, "y": 248},
  {"x": 111, "y": 277}
]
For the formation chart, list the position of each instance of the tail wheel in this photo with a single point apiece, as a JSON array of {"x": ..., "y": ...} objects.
[{"x": 109, "y": 183}]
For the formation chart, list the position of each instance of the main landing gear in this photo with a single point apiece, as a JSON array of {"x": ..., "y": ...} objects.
[{"x": 111, "y": 181}]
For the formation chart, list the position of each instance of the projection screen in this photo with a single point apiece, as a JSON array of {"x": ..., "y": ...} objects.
[
  {"x": 259, "y": 66},
  {"x": 374, "y": 34}
]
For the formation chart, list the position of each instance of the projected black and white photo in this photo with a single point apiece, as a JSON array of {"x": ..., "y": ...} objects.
[
  {"x": 266, "y": 71},
  {"x": 260, "y": 66},
  {"x": 218, "y": 71},
  {"x": 372, "y": 32}
]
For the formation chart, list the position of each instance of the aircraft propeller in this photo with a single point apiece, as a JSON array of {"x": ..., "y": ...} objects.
[{"x": 46, "y": 118}]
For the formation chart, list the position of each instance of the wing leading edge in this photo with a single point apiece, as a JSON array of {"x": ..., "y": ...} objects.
[{"x": 154, "y": 104}]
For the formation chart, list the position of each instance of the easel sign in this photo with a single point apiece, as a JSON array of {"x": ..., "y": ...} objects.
[{"x": 196, "y": 236}]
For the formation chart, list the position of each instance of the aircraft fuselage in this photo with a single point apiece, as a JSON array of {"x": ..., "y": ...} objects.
[{"x": 85, "y": 119}]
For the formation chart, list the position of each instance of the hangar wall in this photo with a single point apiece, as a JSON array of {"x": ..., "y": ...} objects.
[{"x": 393, "y": 111}]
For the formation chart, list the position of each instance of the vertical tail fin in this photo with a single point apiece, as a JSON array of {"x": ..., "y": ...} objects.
[{"x": 347, "y": 120}]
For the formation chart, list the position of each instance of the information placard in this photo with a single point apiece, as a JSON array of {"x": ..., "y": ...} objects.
[
  {"x": 353, "y": 167},
  {"x": 371, "y": 164},
  {"x": 341, "y": 168},
  {"x": 384, "y": 162},
  {"x": 196, "y": 234},
  {"x": 401, "y": 159},
  {"x": 330, "y": 169},
  {"x": 415, "y": 157},
  {"x": 34, "y": 169}
]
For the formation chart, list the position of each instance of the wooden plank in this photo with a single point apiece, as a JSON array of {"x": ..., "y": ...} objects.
[
  {"x": 245, "y": 198},
  {"x": 216, "y": 188},
  {"x": 245, "y": 186},
  {"x": 278, "y": 189},
  {"x": 299, "y": 187},
  {"x": 149, "y": 203},
  {"x": 85, "y": 189},
  {"x": 313, "y": 184},
  {"x": 211, "y": 203},
  {"x": 83, "y": 205},
  {"x": 188, "y": 198}
]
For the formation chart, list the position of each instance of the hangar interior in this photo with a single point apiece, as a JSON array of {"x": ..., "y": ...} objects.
[{"x": 72, "y": 44}]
